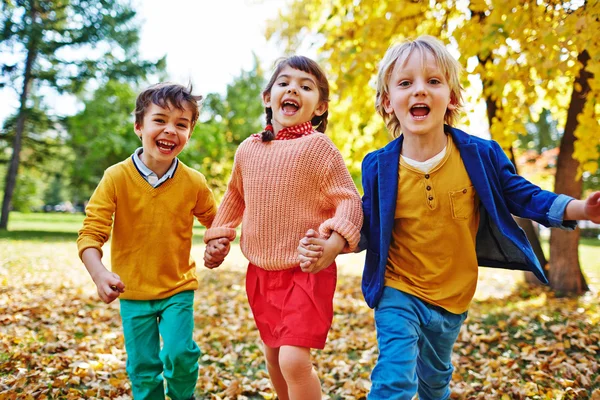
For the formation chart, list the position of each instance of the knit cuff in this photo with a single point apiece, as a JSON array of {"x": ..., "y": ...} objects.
[
  {"x": 217, "y": 233},
  {"x": 83, "y": 244},
  {"x": 347, "y": 229}
]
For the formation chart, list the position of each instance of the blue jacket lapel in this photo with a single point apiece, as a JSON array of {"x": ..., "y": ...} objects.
[{"x": 388, "y": 188}]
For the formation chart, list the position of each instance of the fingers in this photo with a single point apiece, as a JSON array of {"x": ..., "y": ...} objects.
[
  {"x": 311, "y": 233},
  {"x": 107, "y": 294},
  {"x": 212, "y": 265},
  {"x": 312, "y": 244},
  {"x": 213, "y": 260},
  {"x": 116, "y": 284},
  {"x": 309, "y": 252},
  {"x": 218, "y": 246}
]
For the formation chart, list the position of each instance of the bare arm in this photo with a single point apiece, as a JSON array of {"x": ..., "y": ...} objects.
[
  {"x": 109, "y": 284},
  {"x": 588, "y": 209}
]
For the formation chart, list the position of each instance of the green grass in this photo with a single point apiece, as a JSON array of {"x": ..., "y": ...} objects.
[{"x": 59, "y": 227}]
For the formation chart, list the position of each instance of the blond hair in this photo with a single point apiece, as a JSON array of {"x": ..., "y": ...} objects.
[{"x": 449, "y": 66}]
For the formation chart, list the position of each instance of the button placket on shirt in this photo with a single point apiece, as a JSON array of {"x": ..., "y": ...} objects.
[{"x": 429, "y": 192}]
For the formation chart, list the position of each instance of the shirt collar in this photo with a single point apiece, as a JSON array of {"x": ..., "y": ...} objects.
[{"x": 146, "y": 172}]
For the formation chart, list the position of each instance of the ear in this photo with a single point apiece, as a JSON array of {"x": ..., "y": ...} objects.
[
  {"x": 138, "y": 129},
  {"x": 267, "y": 99},
  {"x": 321, "y": 108},
  {"x": 453, "y": 104},
  {"x": 385, "y": 102}
]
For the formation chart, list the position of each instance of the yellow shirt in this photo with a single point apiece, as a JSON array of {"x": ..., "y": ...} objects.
[
  {"x": 432, "y": 255},
  {"x": 152, "y": 228}
]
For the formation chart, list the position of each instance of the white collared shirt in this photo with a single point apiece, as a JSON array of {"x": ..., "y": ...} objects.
[{"x": 147, "y": 173}]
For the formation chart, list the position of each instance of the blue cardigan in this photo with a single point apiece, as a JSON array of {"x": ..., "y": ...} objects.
[{"x": 500, "y": 242}]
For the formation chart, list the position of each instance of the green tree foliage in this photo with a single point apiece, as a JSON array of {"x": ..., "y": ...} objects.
[
  {"x": 226, "y": 120},
  {"x": 101, "y": 135},
  {"x": 61, "y": 45},
  {"x": 540, "y": 135}
]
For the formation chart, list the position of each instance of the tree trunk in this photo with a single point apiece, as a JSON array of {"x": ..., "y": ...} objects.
[
  {"x": 565, "y": 272},
  {"x": 13, "y": 167}
]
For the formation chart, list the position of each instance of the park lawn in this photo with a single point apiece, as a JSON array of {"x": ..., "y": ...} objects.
[{"x": 58, "y": 341}]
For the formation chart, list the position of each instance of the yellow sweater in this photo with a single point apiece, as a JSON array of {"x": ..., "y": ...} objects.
[
  {"x": 280, "y": 189},
  {"x": 152, "y": 228}
]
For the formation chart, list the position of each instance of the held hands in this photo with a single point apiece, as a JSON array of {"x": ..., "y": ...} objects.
[
  {"x": 109, "y": 285},
  {"x": 316, "y": 253},
  {"x": 215, "y": 252}
]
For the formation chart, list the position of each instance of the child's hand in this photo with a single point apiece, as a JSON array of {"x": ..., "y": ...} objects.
[
  {"x": 109, "y": 286},
  {"x": 310, "y": 249},
  {"x": 592, "y": 207},
  {"x": 331, "y": 248},
  {"x": 215, "y": 252}
]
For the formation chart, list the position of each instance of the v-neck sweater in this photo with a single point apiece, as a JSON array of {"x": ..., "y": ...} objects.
[
  {"x": 151, "y": 228},
  {"x": 280, "y": 189}
]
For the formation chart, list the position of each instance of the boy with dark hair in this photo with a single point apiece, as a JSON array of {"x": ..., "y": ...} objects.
[{"x": 148, "y": 202}]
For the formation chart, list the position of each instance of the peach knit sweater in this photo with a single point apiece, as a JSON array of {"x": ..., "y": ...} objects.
[{"x": 280, "y": 189}]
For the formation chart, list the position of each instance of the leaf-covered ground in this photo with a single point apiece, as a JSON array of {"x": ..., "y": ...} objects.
[{"x": 57, "y": 340}]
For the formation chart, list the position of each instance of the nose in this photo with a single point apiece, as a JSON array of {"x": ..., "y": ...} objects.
[
  {"x": 169, "y": 128},
  {"x": 419, "y": 88},
  {"x": 292, "y": 90}
]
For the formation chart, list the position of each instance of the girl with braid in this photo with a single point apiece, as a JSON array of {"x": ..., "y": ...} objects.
[{"x": 286, "y": 180}]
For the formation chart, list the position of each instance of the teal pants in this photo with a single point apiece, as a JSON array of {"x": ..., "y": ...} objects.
[{"x": 144, "y": 323}]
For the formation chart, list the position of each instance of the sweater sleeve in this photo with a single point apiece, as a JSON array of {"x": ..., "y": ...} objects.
[
  {"x": 231, "y": 210},
  {"x": 98, "y": 220},
  {"x": 206, "y": 206},
  {"x": 339, "y": 190}
]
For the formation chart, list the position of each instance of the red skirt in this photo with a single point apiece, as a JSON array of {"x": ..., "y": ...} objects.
[{"x": 292, "y": 307}]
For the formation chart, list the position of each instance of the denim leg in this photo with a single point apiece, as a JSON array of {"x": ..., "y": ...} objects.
[
  {"x": 179, "y": 353},
  {"x": 397, "y": 319},
  {"x": 142, "y": 343},
  {"x": 434, "y": 365}
]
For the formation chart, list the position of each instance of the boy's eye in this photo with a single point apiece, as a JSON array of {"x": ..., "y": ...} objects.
[
  {"x": 435, "y": 81},
  {"x": 160, "y": 120},
  {"x": 282, "y": 84},
  {"x": 307, "y": 88},
  {"x": 182, "y": 125},
  {"x": 404, "y": 83}
]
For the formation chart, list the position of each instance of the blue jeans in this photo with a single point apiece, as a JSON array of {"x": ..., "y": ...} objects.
[
  {"x": 415, "y": 342},
  {"x": 144, "y": 323}
]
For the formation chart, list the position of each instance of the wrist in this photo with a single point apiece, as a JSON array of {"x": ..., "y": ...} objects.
[{"x": 337, "y": 242}]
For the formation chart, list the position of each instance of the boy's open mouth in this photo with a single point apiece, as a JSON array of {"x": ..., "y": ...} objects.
[
  {"x": 165, "y": 145},
  {"x": 289, "y": 107},
  {"x": 419, "y": 110}
]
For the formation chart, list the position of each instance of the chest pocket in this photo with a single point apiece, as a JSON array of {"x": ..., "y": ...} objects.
[{"x": 463, "y": 203}]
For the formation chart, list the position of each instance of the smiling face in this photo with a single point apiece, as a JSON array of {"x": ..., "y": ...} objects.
[
  {"x": 164, "y": 133},
  {"x": 294, "y": 98},
  {"x": 419, "y": 95}
]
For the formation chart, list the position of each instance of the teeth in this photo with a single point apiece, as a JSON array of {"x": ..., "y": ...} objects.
[
  {"x": 166, "y": 144},
  {"x": 419, "y": 106}
]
